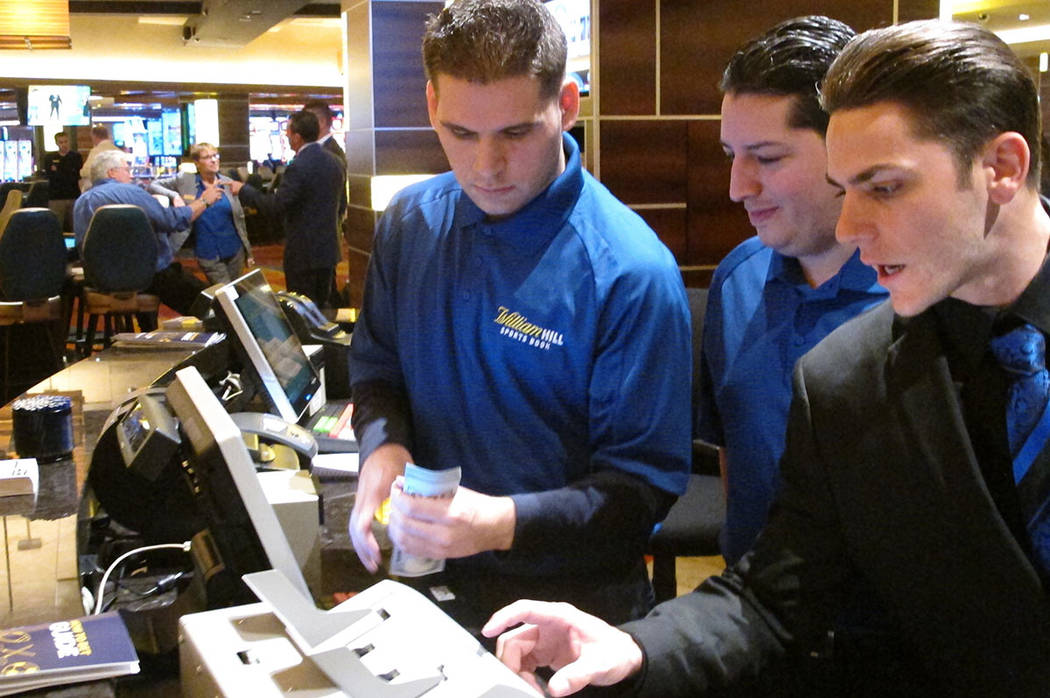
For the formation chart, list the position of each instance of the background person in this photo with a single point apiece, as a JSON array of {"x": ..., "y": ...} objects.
[
  {"x": 899, "y": 496},
  {"x": 99, "y": 142},
  {"x": 523, "y": 324},
  {"x": 308, "y": 201},
  {"x": 221, "y": 237},
  {"x": 62, "y": 169},
  {"x": 111, "y": 184}
]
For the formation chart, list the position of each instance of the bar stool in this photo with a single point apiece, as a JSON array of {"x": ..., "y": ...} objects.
[
  {"x": 120, "y": 258},
  {"x": 32, "y": 274}
]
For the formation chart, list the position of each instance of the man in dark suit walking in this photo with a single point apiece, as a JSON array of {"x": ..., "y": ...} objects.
[
  {"x": 908, "y": 549},
  {"x": 309, "y": 202}
]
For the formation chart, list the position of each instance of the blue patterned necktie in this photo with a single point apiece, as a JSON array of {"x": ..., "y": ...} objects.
[{"x": 1022, "y": 354}]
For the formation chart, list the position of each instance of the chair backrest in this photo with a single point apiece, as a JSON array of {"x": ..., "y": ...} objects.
[
  {"x": 697, "y": 307},
  {"x": 12, "y": 203},
  {"x": 32, "y": 256},
  {"x": 120, "y": 249},
  {"x": 39, "y": 194}
]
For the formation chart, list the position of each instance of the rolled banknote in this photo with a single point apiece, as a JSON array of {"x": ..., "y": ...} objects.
[{"x": 423, "y": 482}]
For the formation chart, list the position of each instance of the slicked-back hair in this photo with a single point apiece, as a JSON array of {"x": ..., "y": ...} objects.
[
  {"x": 483, "y": 41},
  {"x": 321, "y": 110},
  {"x": 789, "y": 60},
  {"x": 305, "y": 124},
  {"x": 961, "y": 84}
]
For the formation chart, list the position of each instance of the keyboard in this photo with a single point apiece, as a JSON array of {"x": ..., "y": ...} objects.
[{"x": 330, "y": 425}]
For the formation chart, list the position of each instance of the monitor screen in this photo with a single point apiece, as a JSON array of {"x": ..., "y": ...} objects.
[
  {"x": 171, "y": 125},
  {"x": 242, "y": 524},
  {"x": 58, "y": 104},
  {"x": 260, "y": 329}
]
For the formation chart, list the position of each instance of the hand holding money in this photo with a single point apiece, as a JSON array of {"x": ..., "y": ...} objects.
[{"x": 460, "y": 523}]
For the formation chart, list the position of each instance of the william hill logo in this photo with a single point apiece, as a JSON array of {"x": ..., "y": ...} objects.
[{"x": 517, "y": 326}]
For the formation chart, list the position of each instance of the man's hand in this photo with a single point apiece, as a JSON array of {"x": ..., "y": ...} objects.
[
  {"x": 448, "y": 527},
  {"x": 373, "y": 485},
  {"x": 582, "y": 649},
  {"x": 178, "y": 201},
  {"x": 234, "y": 186}
]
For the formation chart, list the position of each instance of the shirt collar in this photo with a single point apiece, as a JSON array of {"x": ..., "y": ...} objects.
[
  {"x": 854, "y": 275},
  {"x": 540, "y": 219},
  {"x": 966, "y": 329}
]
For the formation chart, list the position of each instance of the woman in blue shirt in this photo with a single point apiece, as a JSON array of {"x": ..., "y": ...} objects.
[{"x": 221, "y": 242}]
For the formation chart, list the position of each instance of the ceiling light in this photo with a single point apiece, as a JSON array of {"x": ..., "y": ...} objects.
[
  {"x": 1044, "y": 63},
  {"x": 1024, "y": 17},
  {"x": 1024, "y": 35},
  {"x": 164, "y": 20},
  {"x": 34, "y": 24}
]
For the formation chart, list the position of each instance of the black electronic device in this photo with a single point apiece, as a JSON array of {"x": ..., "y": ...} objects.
[
  {"x": 242, "y": 533},
  {"x": 206, "y": 491},
  {"x": 306, "y": 318},
  {"x": 271, "y": 428},
  {"x": 313, "y": 328},
  {"x": 275, "y": 361},
  {"x": 148, "y": 437},
  {"x": 286, "y": 378}
]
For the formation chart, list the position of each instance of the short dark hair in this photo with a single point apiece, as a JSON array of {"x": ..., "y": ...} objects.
[
  {"x": 100, "y": 131},
  {"x": 789, "y": 60},
  {"x": 961, "y": 84},
  {"x": 305, "y": 124},
  {"x": 321, "y": 110},
  {"x": 487, "y": 40}
]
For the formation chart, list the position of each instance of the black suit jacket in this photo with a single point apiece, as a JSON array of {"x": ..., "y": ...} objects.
[
  {"x": 309, "y": 200},
  {"x": 332, "y": 147},
  {"x": 883, "y": 507}
]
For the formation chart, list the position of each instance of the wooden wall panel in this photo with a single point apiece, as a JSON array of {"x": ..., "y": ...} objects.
[
  {"x": 409, "y": 152},
  {"x": 627, "y": 44},
  {"x": 360, "y": 228},
  {"x": 670, "y": 224},
  {"x": 696, "y": 40},
  {"x": 397, "y": 66},
  {"x": 716, "y": 224},
  {"x": 907, "y": 10},
  {"x": 644, "y": 162},
  {"x": 233, "y": 129}
]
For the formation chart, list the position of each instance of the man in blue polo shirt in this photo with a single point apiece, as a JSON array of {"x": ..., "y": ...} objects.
[
  {"x": 777, "y": 294},
  {"x": 520, "y": 323}
]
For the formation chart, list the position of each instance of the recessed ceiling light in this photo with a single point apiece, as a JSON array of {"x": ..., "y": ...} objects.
[{"x": 1024, "y": 17}]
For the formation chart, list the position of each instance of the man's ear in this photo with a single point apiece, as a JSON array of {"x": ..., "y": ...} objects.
[
  {"x": 569, "y": 103},
  {"x": 1006, "y": 160},
  {"x": 432, "y": 103}
]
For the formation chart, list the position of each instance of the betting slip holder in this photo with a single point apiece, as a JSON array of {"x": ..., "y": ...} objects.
[{"x": 389, "y": 641}]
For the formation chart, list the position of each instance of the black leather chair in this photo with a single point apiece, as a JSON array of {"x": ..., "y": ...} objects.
[
  {"x": 692, "y": 525},
  {"x": 120, "y": 257},
  {"x": 32, "y": 276}
]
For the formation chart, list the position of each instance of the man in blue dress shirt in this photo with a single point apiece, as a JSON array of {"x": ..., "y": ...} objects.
[{"x": 777, "y": 294}]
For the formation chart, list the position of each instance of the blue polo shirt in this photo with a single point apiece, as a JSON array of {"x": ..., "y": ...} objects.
[
  {"x": 536, "y": 349},
  {"x": 761, "y": 317}
]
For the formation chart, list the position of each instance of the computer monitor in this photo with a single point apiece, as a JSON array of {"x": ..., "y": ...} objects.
[
  {"x": 267, "y": 342},
  {"x": 241, "y": 523}
]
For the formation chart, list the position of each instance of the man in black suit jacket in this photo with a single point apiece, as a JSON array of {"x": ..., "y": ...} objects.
[
  {"x": 310, "y": 201},
  {"x": 897, "y": 557}
]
